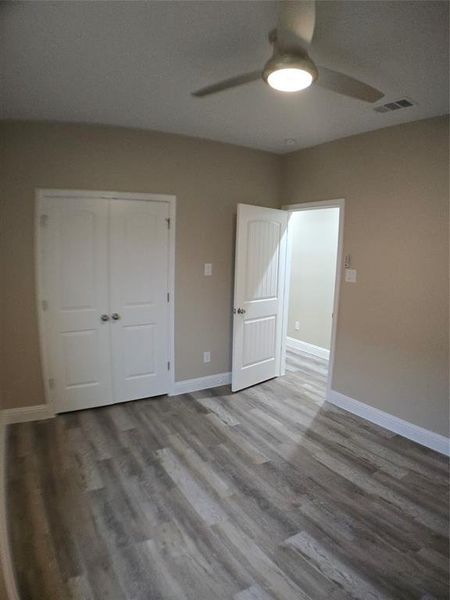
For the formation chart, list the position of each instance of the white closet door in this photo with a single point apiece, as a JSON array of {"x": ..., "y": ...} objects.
[
  {"x": 258, "y": 294},
  {"x": 139, "y": 250},
  {"x": 74, "y": 273}
]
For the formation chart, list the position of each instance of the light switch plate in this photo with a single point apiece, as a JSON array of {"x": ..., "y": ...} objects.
[
  {"x": 208, "y": 269},
  {"x": 297, "y": 325},
  {"x": 206, "y": 357},
  {"x": 350, "y": 275}
]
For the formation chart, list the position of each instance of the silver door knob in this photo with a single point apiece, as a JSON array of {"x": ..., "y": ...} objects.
[
  {"x": 241, "y": 311},
  {"x": 104, "y": 317},
  {"x": 115, "y": 316}
]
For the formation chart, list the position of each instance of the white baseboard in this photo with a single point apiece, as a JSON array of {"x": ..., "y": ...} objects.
[
  {"x": 5, "y": 551},
  {"x": 294, "y": 344},
  {"x": 27, "y": 413},
  {"x": 417, "y": 434},
  {"x": 44, "y": 411},
  {"x": 186, "y": 386}
]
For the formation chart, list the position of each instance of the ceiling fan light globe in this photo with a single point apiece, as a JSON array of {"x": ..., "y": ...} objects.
[
  {"x": 289, "y": 79},
  {"x": 290, "y": 72}
]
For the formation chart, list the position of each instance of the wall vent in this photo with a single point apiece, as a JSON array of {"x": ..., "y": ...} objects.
[{"x": 396, "y": 105}]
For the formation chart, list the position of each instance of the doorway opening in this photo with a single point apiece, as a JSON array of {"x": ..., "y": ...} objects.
[
  {"x": 312, "y": 290},
  {"x": 266, "y": 244}
]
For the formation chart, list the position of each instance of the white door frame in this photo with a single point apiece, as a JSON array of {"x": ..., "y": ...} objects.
[
  {"x": 41, "y": 292},
  {"x": 335, "y": 203}
]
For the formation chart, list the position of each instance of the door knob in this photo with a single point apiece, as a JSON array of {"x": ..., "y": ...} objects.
[
  {"x": 115, "y": 316},
  {"x": 241, "y": 311},
  {"x": 104, "y": 317}
]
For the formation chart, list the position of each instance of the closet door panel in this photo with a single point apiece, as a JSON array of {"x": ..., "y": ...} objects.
[
  {"x": 139, "y": 306},
  {"x": 74, "y": 264}
]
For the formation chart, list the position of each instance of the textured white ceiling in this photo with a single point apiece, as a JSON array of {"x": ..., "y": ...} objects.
[{"x": 135, "y": 63}]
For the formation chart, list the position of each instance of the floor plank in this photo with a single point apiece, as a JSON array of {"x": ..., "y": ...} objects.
[{"x": 266, "y": 494}]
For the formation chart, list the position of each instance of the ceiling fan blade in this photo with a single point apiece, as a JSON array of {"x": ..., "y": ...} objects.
[
  {"x": 343, "y": 84},
  {"x": 227, "y": 84},
  {"x": 296, "y": 24}
]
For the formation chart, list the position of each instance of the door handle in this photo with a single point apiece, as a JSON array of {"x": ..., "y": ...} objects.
[
  {"x": 241, "y": 311},
  {"x": 104, "y": 318},
  {"x": 115, "y": 316}
]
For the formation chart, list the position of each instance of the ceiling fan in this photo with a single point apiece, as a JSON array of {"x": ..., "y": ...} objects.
[{"x": 290, "y": 69}]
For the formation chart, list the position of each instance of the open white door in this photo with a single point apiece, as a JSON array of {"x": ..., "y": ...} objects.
[{"x": 261, "y": 241}]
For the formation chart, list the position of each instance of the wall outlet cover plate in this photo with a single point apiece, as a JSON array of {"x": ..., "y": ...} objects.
[{"x": 350, "y": 275}]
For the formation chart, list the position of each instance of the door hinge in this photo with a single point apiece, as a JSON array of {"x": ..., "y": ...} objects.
[
  {"x": 168, "y": 297},
  {"x": 168, "y": 365},
  {"x": 51, "y": 383},
  {"x": 168, "y": 222},
  {"x": 44, "y": 305},
  {"x": 43, "y": 220}
]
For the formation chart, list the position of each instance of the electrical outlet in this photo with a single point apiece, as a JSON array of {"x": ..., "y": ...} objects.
[
  {"x": 297, "y": 325},
  {"x": 206, "y": 357}
]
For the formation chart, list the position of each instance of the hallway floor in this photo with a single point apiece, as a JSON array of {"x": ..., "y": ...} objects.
[{"x": 266, "y": 494}]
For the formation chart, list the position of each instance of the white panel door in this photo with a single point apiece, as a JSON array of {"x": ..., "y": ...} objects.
[
  {"x": 139, "y": 251},
  {"x": 258, "y": 294},
  {"x": 74, "y": 273}
]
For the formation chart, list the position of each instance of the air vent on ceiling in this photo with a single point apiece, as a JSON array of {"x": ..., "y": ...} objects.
[{"x": 397, "y": 105}]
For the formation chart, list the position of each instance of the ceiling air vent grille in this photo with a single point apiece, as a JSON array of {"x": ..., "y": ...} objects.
[{"x": 397, "y": 105}]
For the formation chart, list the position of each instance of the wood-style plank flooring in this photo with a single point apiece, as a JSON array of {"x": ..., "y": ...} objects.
[{"x": 261, "y": 495}]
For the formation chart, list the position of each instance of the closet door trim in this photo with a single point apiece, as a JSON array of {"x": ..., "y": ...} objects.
[{"x": 40, "y": 276}]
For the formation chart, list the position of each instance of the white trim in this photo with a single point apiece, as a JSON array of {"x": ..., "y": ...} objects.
[
  {"x": 335, "y": 203},
  {"x": 28, "y": 413},
  {"x": 301, "y": 346},
  {"x": 171, "y": 285},
  {"x": 186, "y": 386},
  {"x": 59, "y": 193},
  {"x": 43, "y": 326},
  {"x": 318, "y": 205},
  {"x": 417, "y": 434},
  {"x": 287, "y": 285},
  {"x": 5, "y": 550},
  {"x": 40, "y": 284}
]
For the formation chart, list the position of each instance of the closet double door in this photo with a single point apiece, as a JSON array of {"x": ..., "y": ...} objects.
[{"x": 103, "y": 266}]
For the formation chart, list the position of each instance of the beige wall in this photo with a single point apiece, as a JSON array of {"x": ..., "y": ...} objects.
[
  {"x": 392, "y": 334},
  {"x": 208, "y": 178},
  {"x": 314, "y": 235},
  {"x": 392, "y": 338}
]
